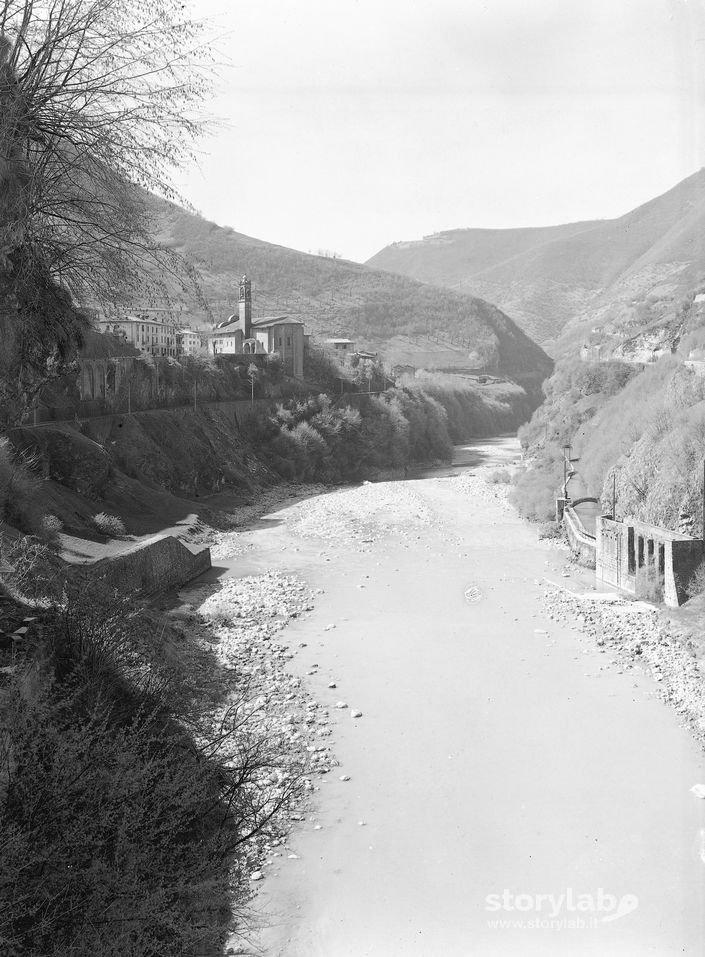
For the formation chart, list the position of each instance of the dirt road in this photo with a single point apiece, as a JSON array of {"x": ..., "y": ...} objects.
[{"x": 510, "y": 791}]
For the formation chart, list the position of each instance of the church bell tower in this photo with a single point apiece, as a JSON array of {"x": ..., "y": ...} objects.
[{"x": 245, "y": 307}]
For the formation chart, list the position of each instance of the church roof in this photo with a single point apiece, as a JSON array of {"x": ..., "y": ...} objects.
[
  {"x": 267, "y": 321},
  {"x": 227, "y": 322},
  {"x": 264, "y": 322}
]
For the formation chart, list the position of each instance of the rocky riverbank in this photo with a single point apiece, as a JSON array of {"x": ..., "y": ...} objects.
[
  {"x": 634, "y": 635},
  {"x": 268, "y": 719}
]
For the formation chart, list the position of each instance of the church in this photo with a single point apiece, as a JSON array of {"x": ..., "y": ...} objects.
[{"x": 240, "y": 334}]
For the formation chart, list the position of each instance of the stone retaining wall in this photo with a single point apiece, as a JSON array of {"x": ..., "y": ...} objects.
[{"x": 157, "y": 565}]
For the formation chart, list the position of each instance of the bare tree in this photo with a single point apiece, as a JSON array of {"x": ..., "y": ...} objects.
[{"x": 98, "y": 106}]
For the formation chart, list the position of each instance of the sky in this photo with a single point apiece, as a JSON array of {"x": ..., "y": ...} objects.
[{"x": 345, "y": 125}]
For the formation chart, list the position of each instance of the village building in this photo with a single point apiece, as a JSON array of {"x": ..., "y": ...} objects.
[
  {"x": 190, "y": 342},
  {"x": 344, "y": 346},
  {"x": 155, "y": 337},
  {"x": 240, "y": 334}
]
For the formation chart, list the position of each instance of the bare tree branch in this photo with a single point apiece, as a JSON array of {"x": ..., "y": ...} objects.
[{"x": 98, "y": 106}]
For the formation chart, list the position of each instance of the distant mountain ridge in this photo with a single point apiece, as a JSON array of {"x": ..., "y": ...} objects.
[
  {"x": 407, "y": 320},
  {"x": 557, "y": 281}
]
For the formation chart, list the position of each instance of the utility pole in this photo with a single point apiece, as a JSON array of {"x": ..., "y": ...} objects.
[{"x": 614, "y": 496}]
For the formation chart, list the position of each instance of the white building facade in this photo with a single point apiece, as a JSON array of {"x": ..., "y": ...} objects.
[
  {"x": 190, "y": 342},
  {"x": 155, "y": 337}
]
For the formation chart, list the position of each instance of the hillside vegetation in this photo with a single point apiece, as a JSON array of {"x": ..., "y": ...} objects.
[
  {"x": 318, "y": 440},
  {"x": 147, "y": 467},
  {"x": 587, "y": 274},
  {"x": 644, "y": 429},
  {"x": 335, "y": 297}
]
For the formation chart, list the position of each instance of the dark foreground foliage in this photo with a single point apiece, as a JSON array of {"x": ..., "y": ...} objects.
[{"x": 122, "y": 822}]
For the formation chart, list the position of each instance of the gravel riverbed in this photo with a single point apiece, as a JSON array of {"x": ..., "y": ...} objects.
[
  {"x": 635, "y": 634},
  {"x": 456, "y": 524}
]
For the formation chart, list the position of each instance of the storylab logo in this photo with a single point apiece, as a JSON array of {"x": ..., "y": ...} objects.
[{"x": 567, "y": 910}]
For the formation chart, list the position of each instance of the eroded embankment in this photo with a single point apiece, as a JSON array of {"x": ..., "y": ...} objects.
[{"x": 153, "y": 468}]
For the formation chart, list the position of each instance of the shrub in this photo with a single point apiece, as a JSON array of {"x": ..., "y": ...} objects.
[
  {"x": 499, "y": 477},
  {"x": 696, "y": 582},
  {"x": 535, "y": 488},
  {"x": 110, "y": 836},
  {"x": 551, "y": 531},
  {"x": 109, "y": 525},
  {"x": 51, "y": 526},
  {"x": 317, "y": 439},
  {"x": 31, "y": 572},
  {"x": 20, "y": 490},
  {"x": 322, "y": 371}
]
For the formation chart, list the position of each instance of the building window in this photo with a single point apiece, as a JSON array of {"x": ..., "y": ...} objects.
[{"x": 631, "y": 556}]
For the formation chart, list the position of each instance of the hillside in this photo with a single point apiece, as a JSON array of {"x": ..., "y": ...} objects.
[
  {"x": 637, "y": 438},
  {"x": 558, "y": 282},
  {"x": 339, "y": 298}
]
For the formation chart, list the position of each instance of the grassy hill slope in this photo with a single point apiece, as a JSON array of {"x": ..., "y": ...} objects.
[
  {"x": 549, "y": 276},
  {"x": 339, "y": 298}
]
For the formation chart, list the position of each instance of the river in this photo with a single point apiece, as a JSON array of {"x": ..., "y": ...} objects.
[{"x": 511, "y": 792}]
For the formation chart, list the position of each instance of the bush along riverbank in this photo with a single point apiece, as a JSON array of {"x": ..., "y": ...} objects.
[
  {"x": 318, "y": 440},
  {"x": 141, "y": 467},
  {"x": 149, "y": 767},
  {"x": 324, "y": 439}
]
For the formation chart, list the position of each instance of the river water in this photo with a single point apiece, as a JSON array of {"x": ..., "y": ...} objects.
[{"x": 511, "y": 792}]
